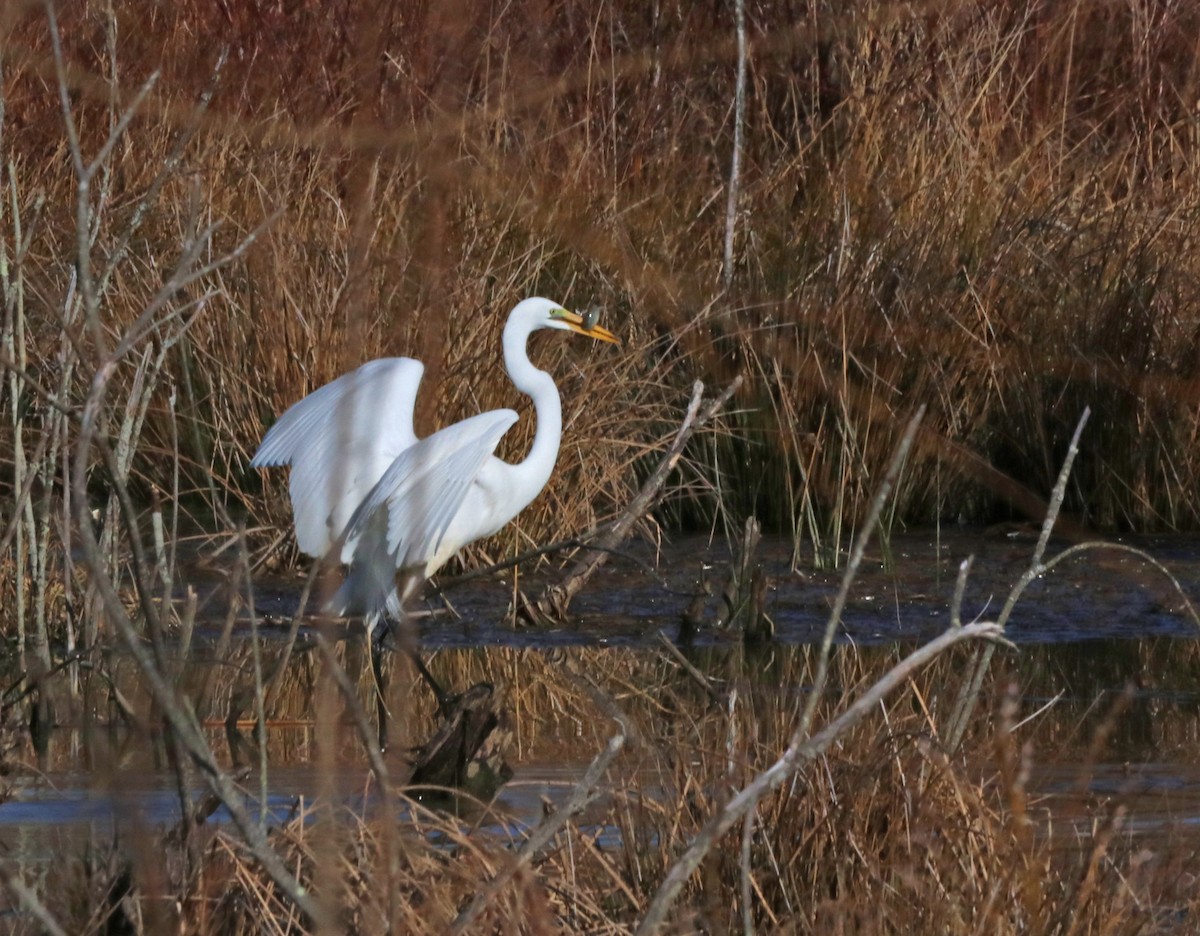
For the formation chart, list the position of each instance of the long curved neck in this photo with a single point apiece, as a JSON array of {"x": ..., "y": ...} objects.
[{"x": 530, "y": 475}]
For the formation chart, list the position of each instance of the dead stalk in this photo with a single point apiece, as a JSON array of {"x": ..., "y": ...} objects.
[
  {"x": 800, "y": 751},
  {"x": 969, "y": 697},
  {"x": 856, "y": 556},
  {"x": 736, "y": 160}
]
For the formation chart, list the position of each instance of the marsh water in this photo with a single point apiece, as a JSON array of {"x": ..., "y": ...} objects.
[
  {"x": 1103, "y": 626},
  {"x": 902, "y": 592}
]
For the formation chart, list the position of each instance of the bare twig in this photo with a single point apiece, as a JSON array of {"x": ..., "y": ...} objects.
[
  {"x": 856, "y": 556},
  {"x": 260, "y": 707},
  {"x": 555, "y": 600},
  {"x": 587, "y": 540},
  {"x": 968, "y": 697},
  {"x": 1079, "y": 548},
  {"x": 29, "y": 900},
  {"x": 960, "y": 588},
  {"x": 361, "y": 720},
  {"x": 586, "y": 791},
  {"x": 704, "y": 682},
  {"x": 739, "y": 110},
  {"x": 800, "y": 751},
  {"x": 747, "y": 839},
  {"x": 169, "y": 168}
]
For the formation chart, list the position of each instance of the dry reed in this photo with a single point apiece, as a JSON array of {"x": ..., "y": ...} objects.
[{"x": 987, "y": 210}]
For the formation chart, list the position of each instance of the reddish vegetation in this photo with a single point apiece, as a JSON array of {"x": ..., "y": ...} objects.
[{"x": 988, "y": 209}]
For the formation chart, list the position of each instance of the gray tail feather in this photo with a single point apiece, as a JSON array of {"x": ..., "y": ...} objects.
[{"x": 369, "y": 589}]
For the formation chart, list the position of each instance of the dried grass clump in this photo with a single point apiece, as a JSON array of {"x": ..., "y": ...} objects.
[
  {"x": 885, "y": 833},
  {"x": 981, "y": 218},
  {"x": 983, "y": 209}
]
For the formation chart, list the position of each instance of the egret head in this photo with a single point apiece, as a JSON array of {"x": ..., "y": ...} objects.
[{"x": 532, "y": 314}]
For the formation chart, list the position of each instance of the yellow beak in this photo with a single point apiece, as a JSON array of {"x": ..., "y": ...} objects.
[{"x": 576, "y": 324}]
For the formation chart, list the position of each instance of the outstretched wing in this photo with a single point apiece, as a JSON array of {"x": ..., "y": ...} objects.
[
  {"x": 425, "y": 487},
  {"x": 340, "y": 440}
]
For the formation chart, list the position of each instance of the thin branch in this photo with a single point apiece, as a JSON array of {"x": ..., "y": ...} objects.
[
  {"x": 586, "y": 791},
  {"x": 358, "y": 714},
  {"x": 739, "y": 110},
  {"x": 1132, "y": 550},
  {"x": 965, "y": 704},
  {"x": 799, "y": 752},
  {"x": 960, "y": 588},
  {"x": 555, "y": 600},
  {"x": 64, "y": 97},
  {"x": 29, "y": 900},
  {"x": 169, "y": 166},
  {"x": 856, "y": 557},
  {"x": 747, "y": 839},
  {"x": 704, "y": 682}
]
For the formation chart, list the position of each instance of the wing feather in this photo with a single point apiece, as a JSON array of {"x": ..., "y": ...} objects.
[
  {"x": 340, "y": 440},
  {"x": 426, "y": 486}
]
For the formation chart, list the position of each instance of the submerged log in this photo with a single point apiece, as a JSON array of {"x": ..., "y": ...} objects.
[{"x": 467, "y": 750}]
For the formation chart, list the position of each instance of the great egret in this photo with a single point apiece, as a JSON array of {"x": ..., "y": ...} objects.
[{"x": 362, "y": 483}]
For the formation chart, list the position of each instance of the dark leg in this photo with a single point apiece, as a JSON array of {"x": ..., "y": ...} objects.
[
  {"x": 386, "y": 635},
  {"x": 381, "y": 709},
  {"x": 444, "y": 701}
]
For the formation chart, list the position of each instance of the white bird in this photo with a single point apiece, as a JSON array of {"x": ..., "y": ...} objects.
[{"x": 363, "y": 484}]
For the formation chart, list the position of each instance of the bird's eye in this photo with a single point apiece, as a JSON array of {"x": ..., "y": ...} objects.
[{"x": 591, "y": 317}]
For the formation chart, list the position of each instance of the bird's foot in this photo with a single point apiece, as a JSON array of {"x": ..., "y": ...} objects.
[
  {"x": 445, "y": 701},
  {"x": 382, "y": 634},
  {"x": 385, "y": 636}
]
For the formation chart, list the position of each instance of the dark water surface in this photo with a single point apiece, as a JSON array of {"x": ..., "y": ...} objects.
[
  {"x": 1102, "y": 627},
  {"x": 902, "y": 592}
]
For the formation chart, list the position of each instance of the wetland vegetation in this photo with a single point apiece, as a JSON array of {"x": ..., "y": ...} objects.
[{"x": 953, "y": 270}]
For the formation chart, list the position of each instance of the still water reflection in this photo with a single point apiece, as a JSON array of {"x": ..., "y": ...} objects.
[
  {"x": 1100, "y": 633},
  {"x": 902, "y": 592}
]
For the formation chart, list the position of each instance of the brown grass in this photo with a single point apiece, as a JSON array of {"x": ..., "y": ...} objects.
[
  {"x": 988, "y": 209},
  {"x": 984, "y": 209},
  {"x": 884, "y": 835}
]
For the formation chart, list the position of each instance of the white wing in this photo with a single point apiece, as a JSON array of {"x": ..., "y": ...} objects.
[
  {"x": 340, "y": 440},
  {"x": 426, "y": 486}
]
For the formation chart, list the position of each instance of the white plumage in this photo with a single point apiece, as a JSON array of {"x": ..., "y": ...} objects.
[{"x": 361, "y": 478}]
